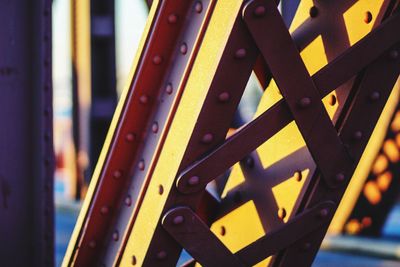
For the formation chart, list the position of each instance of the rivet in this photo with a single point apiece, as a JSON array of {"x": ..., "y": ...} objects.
[
  {"x": 249, "y": 162},
  {"x": 240, "y": 53},
  {"x": 141, "y": 165},
  {"x": 339, "y": 177},
  {"x": 117, "y": 174},
  {"x": 183, "y": 48},
  {"x": 306, "y": 246},
  {"x": 47, "y": 87},
  {"x": 128, "y": 201},
  {"x": 46, "y": 12},
  {"x": 223, "y": 97},
  {"x": 161, "y": 255},
  {"x": 207, "y": 138},
  {"x": 154, "y": 127},
  {"x": 282, "y": 213},
  {"x": 157, "y": 60},
  {"x": 46, "y": 136},
  {"x": 394, "y": 54},
  {"x": 313, "y": 12},
  {"x": 178, "y": 219},
  {"x": 144, "y": 99},
  {"x": 92, "y": 244},
  {"x": 130, "y": 137},
  {"x": 374, "y": 96},
  {"x": 104, "y": 210},
  {"x": 305, "y": 102},
  {"x": 134, "y": 261},
  {"x": 357, "y": 135},
  {"x": 115, "y": 235},
  {"x": 259, "y": 11},
  {"x": 172, "y": 19},
  {"x": 169, "y": 89},
  {"x": 298, "y": 176},
  {"x": 323, "y": 213},
  {"x": 332, "y": 100},
  {"x": 368, "y": 17},
  {"x": 194, "y": 180},
  {"x": 223, "y": 231},
  {"x": 160, "y": 189},
  {"x": 198, "y": 7}
]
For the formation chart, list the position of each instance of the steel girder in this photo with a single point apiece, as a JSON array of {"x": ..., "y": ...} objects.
[{"x": 148, "y": 197}]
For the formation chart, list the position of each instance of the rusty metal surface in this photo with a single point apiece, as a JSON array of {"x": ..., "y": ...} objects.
[{"x": 26, "y": 137}]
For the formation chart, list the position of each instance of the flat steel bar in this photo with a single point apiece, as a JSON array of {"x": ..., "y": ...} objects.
[
  {"x": 196, "y": 238},
  {"x": 298, "y": 89},
  {"x": 281, "y": 238},
  {"x": 372, "y": 94},
  {"x": 278, "y": 116}
]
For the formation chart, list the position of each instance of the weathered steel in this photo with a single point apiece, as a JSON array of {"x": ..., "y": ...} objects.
[{"x": 26, "y": 136}]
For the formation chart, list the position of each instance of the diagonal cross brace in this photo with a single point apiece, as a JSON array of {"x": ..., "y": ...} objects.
[
  {"x": 302, "y": 97},
  {"x": 278, "y": 116},
  {"x": 195, "y": 236}
]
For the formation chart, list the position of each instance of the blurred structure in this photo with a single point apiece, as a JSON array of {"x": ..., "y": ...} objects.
[{"x": 26, "y": 134}]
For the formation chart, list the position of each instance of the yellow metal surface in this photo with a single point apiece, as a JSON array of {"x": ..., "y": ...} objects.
[
  {"x": 69, "y": 256},
  {"x": 286, "y": 163},
  {"x": 181, "y": 129}
]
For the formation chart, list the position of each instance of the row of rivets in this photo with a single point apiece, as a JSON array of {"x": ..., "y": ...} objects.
[{"x": 183, "y": 49}]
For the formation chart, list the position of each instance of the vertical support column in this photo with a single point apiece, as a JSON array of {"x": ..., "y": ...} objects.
[
  {"x": 104, "y": 96},
  {"x": 26, "y": 138}
]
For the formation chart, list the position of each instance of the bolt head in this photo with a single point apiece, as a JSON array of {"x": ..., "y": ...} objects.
[
  {"x": 374, "y": 96},
  {"x": 178, "y": 220},
  {"x": 161, "y": 255},
  {"x": 183, "y": 49},
  {"x": 249, "y": 162},
  {"x": 117, "y": 174},
  {"x": 194, "y": 180},
  {"x": 339, "y": 177},
  {"x": 394, "y": 54},
  {"x": 240, "y": 53},
  {"x": 198, "y": 7},
  {"x": 323, "y": 213},
  {"x": 157, "y": 60},
  {"x": 313, "y": 12},
  {"x": 305, "y": 102},
  {"x": 259, "y": 11},
  {"x": 104, "y": 210},
  {"x": 144, "y": 99},
  {"x": 223, "y": 97},
  {"x": 169, "y": 89},
  {"x": 92, "y": 244},
  {"x": 172, "y": 19},
  {"x": 207, "y": 138},
  {"x": 357, "y": 135},
  {"x": 130, "y": 137}
]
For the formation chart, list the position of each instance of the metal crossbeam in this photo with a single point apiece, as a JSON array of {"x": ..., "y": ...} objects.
[{"x": 168, "y": 138}]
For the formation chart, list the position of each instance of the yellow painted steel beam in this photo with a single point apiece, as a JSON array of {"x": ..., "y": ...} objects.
[{"x": 181, "y": 129}]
